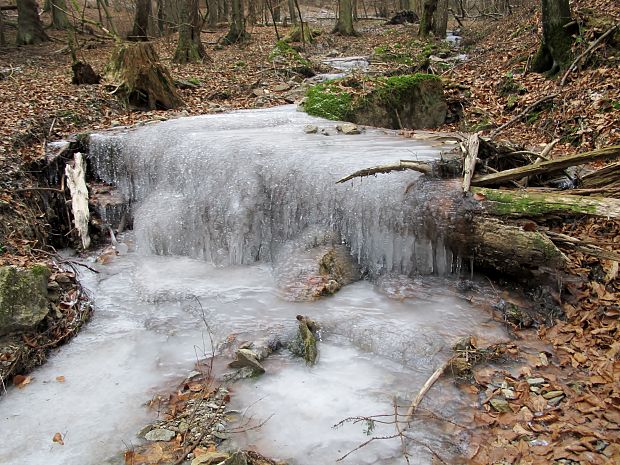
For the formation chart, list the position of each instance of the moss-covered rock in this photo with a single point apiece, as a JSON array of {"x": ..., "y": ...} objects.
[
  {"x": 408, "y": 101},
  {"x": 23, "y": 297},
  {"x": 286, "y": 55}
]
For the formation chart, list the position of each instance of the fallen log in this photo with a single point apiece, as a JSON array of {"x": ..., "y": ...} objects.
[
  {"x": 607, "y": 177},
  {"x": 503, "y": 202},
  {"x": 546, "y": 166}
]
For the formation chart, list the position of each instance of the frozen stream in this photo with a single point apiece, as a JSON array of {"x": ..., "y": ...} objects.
[{"x": 214, "y": 199}]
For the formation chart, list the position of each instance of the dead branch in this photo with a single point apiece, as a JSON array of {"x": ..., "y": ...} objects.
[
  {"x": 469, "y": 165},
  {"x": 521, "y": 115},
  {"x": 401, "y": 166},
  {"x": 547, "y": 166},
  {"x": 573, "y": 66},
  {"x": 429, "y": 383},
  {"x": 586, "y": 247}
]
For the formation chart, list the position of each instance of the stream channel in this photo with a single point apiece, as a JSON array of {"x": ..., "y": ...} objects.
[{"x": 221, "y": 204}]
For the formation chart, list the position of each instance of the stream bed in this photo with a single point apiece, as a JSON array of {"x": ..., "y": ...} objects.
[{"x": 214, "y": 201}]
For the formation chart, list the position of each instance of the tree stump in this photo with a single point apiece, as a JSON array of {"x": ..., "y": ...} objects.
[
  {"x": 140, "y": 80},
  {"x": 83, "y": 73}
]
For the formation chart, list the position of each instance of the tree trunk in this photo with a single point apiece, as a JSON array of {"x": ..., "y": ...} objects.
[
  {"x": 237, "y": 32},
  {"x": 59, "y": 15},
  {"x": 29, "y": 27},
  {"x": 344, "y": 25},
  {"x": 426, "y": 20},
  {"x": 252, "y": 12},
  {"x": 141, "y": 21},
  {"x": 292, "y": 12},
  {"x": 161, "y": 17},
  {"x": 141, "y": 81},
  {"x": 554, "y": 53},
  {"x": 2, "y": 36},
  {"x": 212, "y": 19},
  {"x": 189, "y": 48},
  {"x": 440, "y": 19}
]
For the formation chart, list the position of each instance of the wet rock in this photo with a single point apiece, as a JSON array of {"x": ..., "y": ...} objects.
[
  {"x": 552, "y": 394},
  {"x": 535, "y": 381},
  {"x": 23, "y": 297},
  {"x": 500, "y": 405},
  {"x": 144, "y": 431},
  {"x": 509, "y": 394},
  {"x": 281, "y": 87},
  {"x": 556, "y": 400},
  {"x": 209, "y": 458},
  {"x": 238, "y": 458},
  {"x": 247, "y": 358},
  {"x": 348, "y": 128},
  {"x": 160, "y": 435},
  {"x": 311, "y": 129}
]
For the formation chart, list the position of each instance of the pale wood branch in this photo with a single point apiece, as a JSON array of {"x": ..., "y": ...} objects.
[{"x": 547, "y": 166}]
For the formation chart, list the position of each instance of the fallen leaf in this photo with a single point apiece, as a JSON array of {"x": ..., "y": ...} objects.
[
  {"x": 20, "y": 381},
  {"x": 58, "y": 439},
  {"x": 60, "y": 379}
]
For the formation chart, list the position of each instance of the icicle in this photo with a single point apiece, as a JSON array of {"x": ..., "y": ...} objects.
[{"x": 76, "y": 180}]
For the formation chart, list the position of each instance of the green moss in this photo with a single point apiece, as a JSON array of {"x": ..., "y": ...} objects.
[
  {"x": 40, "y": 270},
  {"x": 328, "y": 101},
  {"x": 284, "y": 50},
  {"x": 332, "y": 101},
  {"x": 509, "y": 203},
  {"x": 412, "y": 53}
]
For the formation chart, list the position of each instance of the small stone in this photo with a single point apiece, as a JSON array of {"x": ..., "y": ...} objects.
[
  {"x": 183, "y": 427},
  {"x": 311, "y": 129},
  {"x": 213, "y": 406},
  {"x": 535, "y": 389},
  {"x": 535, "y": 381},
  {"x": 238, "y": 458},
  {"x": 552, "y": 394},
  {"x": 500, "y": 405},
  {"x": 556, "y": 400},
  {"x": 281, "y": 87},
  {"x": 348, "y": 128},
  {"x": 115, "y": 122},
  {"x": 220, "y": 436},
  {"x": 209, "y": 458},
  {"x": 509, "y": 394},
  {"x": 247, "y": 358},
  {"x": 260, "y": 92},
  {"x": 160, "y": 435},
  {"x": 144, "y": 431}
]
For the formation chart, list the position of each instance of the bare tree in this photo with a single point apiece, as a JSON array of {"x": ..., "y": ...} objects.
[
  {"x": 440, "y": 19},
  {"x": 236, "y": 32},
  {"x": 29, "y": 26},
  {"x": 554, "y": 53},
  {"x": 189, "y": 48},
  {"x": 429, "y": 8},
  {"x": 212, "y": 17},
  {"x": 59, "y": 14},
  {"x": 344, "y": 25},
  {"x": 292, "y": 12},
  {"x": 141, "y": 21}
]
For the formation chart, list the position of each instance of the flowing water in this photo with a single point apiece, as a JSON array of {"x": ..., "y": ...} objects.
[{"x": 216, "y": 201}]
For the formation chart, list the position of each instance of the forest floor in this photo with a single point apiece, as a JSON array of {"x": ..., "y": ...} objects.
[{"x": 564, "y": 404}]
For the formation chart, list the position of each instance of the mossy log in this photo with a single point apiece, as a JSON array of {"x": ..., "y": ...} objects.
[
  {"x": 502, "y": 202},
  {"x": 140, "y": 80}
]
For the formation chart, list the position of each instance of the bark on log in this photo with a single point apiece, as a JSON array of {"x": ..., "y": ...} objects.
[
  {"x": 511, "y": 249},
  {"x": 546, "y": 166},
  {"x": 502, "y": 202}
]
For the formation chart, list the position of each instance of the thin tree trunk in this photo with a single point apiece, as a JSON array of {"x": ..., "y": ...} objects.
[
  {"x": 292, "y": 12},
  {"x": 161, "y": 17},
  {"x": 554, "y": 53},
  {"x": 141, "y": 21},
  {"x": 237, "y": 32},
  {"x": 440, "y": 19},
  {"x": 426, "y": 20},
  {"x": 59, "y": 15},
  {"x": 212, "y": 18},
  {"x": 29, "y": 27},
  {"x": 344, "y": 25},
  {"x": 189, "y": 48}
]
